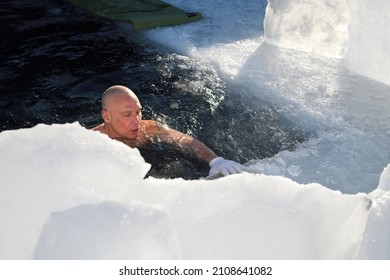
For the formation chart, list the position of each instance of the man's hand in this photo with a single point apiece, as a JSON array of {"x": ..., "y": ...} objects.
[{"x": 225, "y": 167}]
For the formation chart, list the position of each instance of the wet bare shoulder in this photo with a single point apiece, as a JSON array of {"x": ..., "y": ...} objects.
[
  {"x": 155, "y": 128},
  {"x": 99, "y": 128}
]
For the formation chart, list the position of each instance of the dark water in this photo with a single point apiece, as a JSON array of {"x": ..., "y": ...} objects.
[{"x": 57, "y": 59}]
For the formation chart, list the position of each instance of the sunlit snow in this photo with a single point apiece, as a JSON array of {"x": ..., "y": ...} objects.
[{"x": 70, "y": 193}]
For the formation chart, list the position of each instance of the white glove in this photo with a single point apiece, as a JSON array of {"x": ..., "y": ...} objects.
[{"x": 225, "y": 167}]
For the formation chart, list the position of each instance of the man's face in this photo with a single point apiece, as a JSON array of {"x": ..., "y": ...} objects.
[{"x": 123, "y": 115}]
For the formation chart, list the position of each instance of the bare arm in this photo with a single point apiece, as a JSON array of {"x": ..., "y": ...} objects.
[
  {"x": 185, "y": 141},
  {"x": 218, "y": 165}
]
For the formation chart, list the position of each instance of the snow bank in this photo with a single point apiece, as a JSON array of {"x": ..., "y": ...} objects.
[
  {"x": 376, "y": 240},
  {"x": 109, "y": 230},
  {"x": 53, "y": 168},
  {"x": 357, "y": 30},
  {"x": 369, "y": 39},
  {"x": 312, "y": 26},
  {"x": 72, "y": 193}
]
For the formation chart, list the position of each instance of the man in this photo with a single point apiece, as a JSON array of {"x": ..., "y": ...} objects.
[{"x": 121, "y": 112}]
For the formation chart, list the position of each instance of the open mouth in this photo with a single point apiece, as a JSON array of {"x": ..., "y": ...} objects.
[{"x": 134, "y": 130}]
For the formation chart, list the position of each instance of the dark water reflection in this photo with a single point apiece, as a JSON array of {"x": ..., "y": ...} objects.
[{"x": 56, "y": 60}]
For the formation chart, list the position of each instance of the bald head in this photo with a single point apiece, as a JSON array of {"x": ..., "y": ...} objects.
[
  {"x": 121, "y": 112},
  {"x": 115, "y": 94}
]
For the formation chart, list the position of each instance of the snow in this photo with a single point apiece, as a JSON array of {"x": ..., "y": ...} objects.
[
  {"x": 83, "y": 196},
  {"x": 67, "y": 192},
  {"x": 368, "y": 54},
  {"x": 313, "y": 26}
]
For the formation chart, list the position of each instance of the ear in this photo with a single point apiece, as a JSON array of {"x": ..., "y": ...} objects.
[{"x": 106, "y": 116}]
